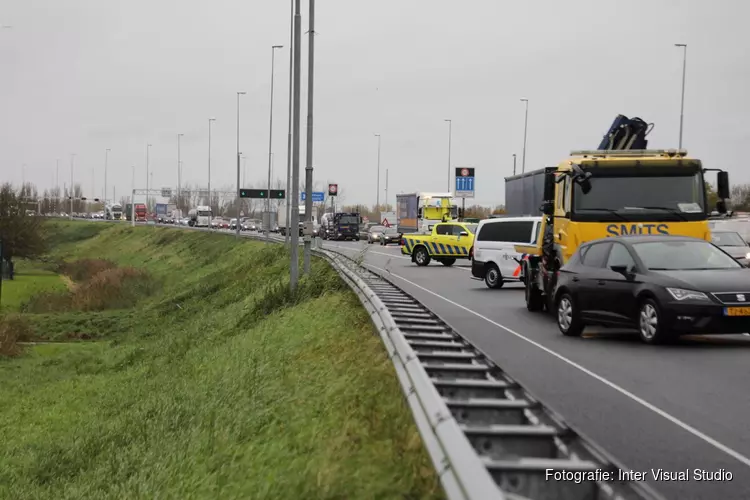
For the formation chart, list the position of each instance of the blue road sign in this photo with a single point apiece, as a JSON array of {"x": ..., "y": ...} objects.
[
  {"x": 464, "y": 182},
  {"x": 316, "y": 196}
]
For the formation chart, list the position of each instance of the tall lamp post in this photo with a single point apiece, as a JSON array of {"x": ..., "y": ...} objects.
[
  {"x": 148, "y": 146},
  {"x": 179, "y": 173},
  {"x": 270, "y": 145},
  {"x": 309, "y": 148},
  {"x": 208, "y": 201},
  {"x": 287, "y": 205},
  {"x": 237, "y": 194},
  {"x": 525, "y": 129},
  {"x": 377, "y": 197},
  {"x": 71, "y": 193},
  {"x": 106, "y": 161},
  {"x": 450, "y": 138},
  {"x": 682, "y": 100}
]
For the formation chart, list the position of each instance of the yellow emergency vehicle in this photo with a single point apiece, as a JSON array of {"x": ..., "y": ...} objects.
[
  {"x": 595, "y": 194},
  {"x": 447, "y": 242}
]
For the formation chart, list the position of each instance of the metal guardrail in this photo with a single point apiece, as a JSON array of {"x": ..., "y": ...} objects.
[{"x": 488, "y": 438}]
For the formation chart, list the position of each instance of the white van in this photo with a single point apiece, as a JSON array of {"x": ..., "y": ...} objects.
[{"x": 495, "y": 258}]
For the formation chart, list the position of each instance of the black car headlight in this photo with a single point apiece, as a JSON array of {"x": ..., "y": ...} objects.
[{"x": 681, "y": 294}]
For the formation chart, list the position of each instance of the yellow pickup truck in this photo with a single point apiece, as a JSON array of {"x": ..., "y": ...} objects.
[{"x": 447, "y": 242}]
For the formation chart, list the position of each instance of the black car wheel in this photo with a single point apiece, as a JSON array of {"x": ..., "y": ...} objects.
[
  {"x": 448, "y": 261},
  {"x": 650, "y": 326},
  {"x": 421, "y": 257},
  {"x": 568, "y": 317},
  {"x": 492, "y": 277}
]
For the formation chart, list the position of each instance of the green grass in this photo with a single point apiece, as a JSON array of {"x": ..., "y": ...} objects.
[
  {"x": 30, "y": 279},
  {"x": 224, "y": 385}
]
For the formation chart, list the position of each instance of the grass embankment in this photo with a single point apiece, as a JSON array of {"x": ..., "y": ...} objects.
[
  {"x": 220, "y": 384},
  {"x": 30, "y": 279}
]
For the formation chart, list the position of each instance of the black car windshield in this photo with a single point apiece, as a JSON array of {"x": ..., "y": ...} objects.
[
  {"x": 683, "y": 194},
  {"x": 349, "y": 219},
  {"x": 472, "y": 228},
  {"x": 727, "y": 239},
  {"x": 683, "y": 256},
  {"x": 391, "y": 230}
]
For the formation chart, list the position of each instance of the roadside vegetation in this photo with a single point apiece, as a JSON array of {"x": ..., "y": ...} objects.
[{"x": 177, "y": 364}]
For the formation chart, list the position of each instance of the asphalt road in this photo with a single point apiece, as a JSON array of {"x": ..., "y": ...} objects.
[{"x": 673, "y": 408}]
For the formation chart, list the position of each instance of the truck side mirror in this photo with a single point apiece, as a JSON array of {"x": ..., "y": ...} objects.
[
  {"x": 549, "y": 186},
  {"x": 721, "y": 206},
  {"x": 548, "y": 208},
  {"x": 585, "y": 185},
  {"x": 722, "y": 185}
]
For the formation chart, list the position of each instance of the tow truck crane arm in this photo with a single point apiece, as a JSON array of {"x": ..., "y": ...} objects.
[{"x": 626, "y": 133}]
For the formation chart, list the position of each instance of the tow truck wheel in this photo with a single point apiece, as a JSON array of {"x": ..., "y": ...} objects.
[
  {"x": 448, "y": 261},
  {"x": 534, "y": 297},
  {"x": 568, "y": 318},
  {"x": 421, "y": 257},
  {"x": 492, "y": 277}
]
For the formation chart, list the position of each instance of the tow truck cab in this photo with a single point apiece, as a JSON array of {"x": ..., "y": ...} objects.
[{"x": 595, "y": 194}]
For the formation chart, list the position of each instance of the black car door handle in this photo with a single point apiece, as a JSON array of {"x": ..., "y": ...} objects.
[
  {"x": 575, "y": 280},
  {"x": 602, "y": 282}
]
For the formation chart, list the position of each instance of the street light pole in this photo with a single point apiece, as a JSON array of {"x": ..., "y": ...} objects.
[
  {"x": 70, "y": 194},
  {"x": 270, "y": 145},
  {"x": 682, "y": 100},
  {"x": 208, "y": 201},
  {"x": 106, "y": 161},
  {"x": 514, "y": 163},
  {"x": 287, "y": 206},
  {"x": 309, "y": 149},
  {"x": 450, "y": 139},
  {"x": 179, "y": 173},
  {"x": 525, "y": 128},
  {"x": 386, "y": 191},
  {"x": 293, "y": 197},
  {"x": 237, "y": 193},
  {"x": 147, "y": 174},
  {"x": 377, "y": 197},
  {"x": 57, "y": 185}
]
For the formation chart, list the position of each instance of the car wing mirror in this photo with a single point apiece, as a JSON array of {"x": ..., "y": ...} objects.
[{"x": 463, "y": 233}]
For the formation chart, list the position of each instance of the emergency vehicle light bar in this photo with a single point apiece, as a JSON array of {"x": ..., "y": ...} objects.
[{"x": 630, "y": 152}]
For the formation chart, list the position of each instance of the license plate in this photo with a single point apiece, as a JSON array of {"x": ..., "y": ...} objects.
[{"x": 737, "y": 311}]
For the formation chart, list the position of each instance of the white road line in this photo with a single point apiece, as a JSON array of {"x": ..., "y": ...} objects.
[{"x": 692, "y": 430}]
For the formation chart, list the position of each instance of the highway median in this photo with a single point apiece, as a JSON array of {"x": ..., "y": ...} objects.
[{"x": 177, "y": 364}]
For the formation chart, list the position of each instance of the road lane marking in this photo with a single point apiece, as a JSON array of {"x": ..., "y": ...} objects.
[{"x": 684, "y": 426}]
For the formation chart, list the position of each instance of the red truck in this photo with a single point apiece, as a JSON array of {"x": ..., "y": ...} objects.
[{"x": 140, "y": 212}]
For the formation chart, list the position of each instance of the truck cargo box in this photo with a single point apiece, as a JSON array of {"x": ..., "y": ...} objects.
[{"x": 524, "y": 193}]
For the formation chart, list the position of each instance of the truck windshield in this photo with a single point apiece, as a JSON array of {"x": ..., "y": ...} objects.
[
  {"x": 204, "y": 214},
  {"x": 349, "y": 219},
  {"x": 682, "y": 194}
]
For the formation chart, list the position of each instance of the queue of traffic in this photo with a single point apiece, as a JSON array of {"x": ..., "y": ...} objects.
[{"x": 613, "y": 238}]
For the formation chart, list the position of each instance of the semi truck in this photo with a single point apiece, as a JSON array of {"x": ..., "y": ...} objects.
[
  {"x": 418, "y": 212},
  {"x": 282, "y": 218},
  {"x": 200, "y": 216},
  {"x": 599, "y": 193},
  {"x": 113, "y": 212},
  {"x": 341, "y": 226}
]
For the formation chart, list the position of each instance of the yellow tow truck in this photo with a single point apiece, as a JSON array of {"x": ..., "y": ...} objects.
[
  {"x": 599, "y": 193},
  {"x": 447, "y": 242}
]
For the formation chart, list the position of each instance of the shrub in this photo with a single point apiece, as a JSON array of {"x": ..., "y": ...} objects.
[
  {"x": 13, "y": 329},
  {"x": 84, "y": 269}
]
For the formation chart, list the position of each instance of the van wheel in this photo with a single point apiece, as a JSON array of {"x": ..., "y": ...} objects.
[
  {"x": 492, "y": 277},
  {"x": 448, "y": 261},
  {"x": 421, "y": 257}
]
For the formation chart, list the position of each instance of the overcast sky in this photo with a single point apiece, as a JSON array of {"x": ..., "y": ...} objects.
[{"x": 80, "y": 76}]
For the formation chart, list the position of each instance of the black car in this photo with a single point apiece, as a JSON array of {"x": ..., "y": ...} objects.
[
  {"x": 391, "y": 235},
  {"x": 664, "y": 286}
]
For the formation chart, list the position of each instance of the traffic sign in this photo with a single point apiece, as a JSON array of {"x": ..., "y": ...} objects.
[
  {"x": 385, "y": 223},
  {"x": 333, "y": 189},
  {"x": 166, "y": 192},
  {"x": 464, "y": 182},
  {"x": 316, "y": 196}
]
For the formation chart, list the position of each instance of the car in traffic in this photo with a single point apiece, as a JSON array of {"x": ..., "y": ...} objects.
[
  {"x": 390, "y": 235},
  {"x": 374, "y": 234},
  {"x": 233, "y": 224},
  {"x": 663, "y": 286},
  {"x": 733, "y": 244},
  {"x": 496, "y": 260}
]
